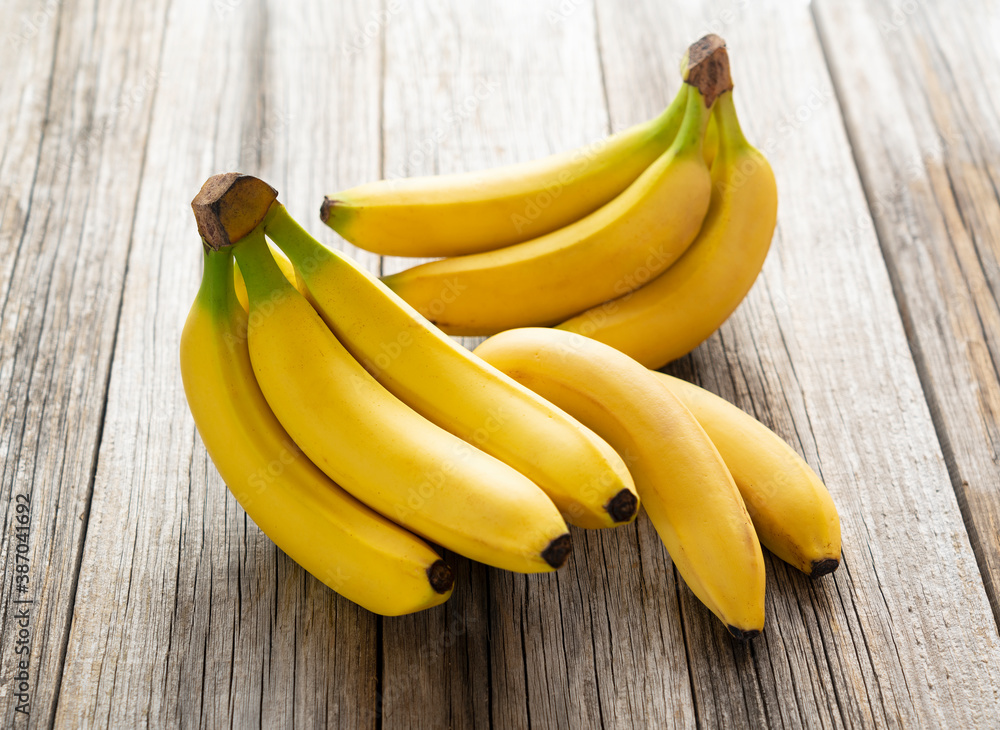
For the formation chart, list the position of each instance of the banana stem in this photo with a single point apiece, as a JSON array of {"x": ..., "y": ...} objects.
[
  {"x": 669, "y": 122},
  {"x": 216, "y": 293},
  {"x": 298, "y": 244},
  {"x": 730, "y": 132},
  {"x": 263, "y": 278},
  {"x": 706, "y": 67},
  {"x": 691, "y": 135}
]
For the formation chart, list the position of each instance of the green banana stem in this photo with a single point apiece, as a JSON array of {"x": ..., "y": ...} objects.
[
  {"x": 304, "y": 251},
  {"x": 665, "y": 126},
  {"x": 216, "y": 293},
  {"x": 261, "y": 274},
  {"x": 691, "y": 135},
  {"x": 730, "y": 132}
]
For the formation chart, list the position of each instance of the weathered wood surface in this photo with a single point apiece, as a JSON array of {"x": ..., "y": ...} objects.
[
  {"x": 76, "y": 110},
  {"x": 183, "y": 613},
  {"x": 918, "y": 85},
  {"x": 186, "y": 614}
]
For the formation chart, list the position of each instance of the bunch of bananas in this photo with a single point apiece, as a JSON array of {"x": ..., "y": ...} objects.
[
  {"x": 646, "y": 241},
  {"x": 347, "y": 425},
  {"x": 358, "y": 435}
]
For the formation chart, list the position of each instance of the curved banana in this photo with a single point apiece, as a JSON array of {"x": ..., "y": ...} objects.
[
  {"x": 283, "y": 263},
  {"x": 682, "y": 480},
  {"x": 791, "y": 509},
  {"x": 683, "y": 306},
  {"x": 472, "y": 212},
  {"x": 443, "y": 381},
  {"x": 611, "y": 251},
  {"x": 350, "y": 548},
  {"x": 380, "y": 450}
]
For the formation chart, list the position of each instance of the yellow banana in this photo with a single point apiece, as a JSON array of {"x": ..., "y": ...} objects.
[
  {"x": 443, "y": 381},
  {"x": 283, "y": 263},
  {"x": 472, "y": 212},
  {"x": 791, "y": 509},
  {"x": 350, "y": 548},
  {"x": 547, "y": 279},
  {"x": 378, "y": 448},
  {"x": 679, "y": 309},
  {"x": 684, "y": 484}
]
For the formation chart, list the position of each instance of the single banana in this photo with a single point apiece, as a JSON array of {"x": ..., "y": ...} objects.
[
  {"x": 350, "y": 548},
  {"x": 472, "y": 212},
  {"x": 684, "y": 484},
  {"x": 683, "y": 306},
  {"x": 379, "y": 449},
  {"x": 283, "y": 263},
  {"x": 547, "y": 279},
  {"x": 791, "y": 509},
  {"x": 443, "y": 381}
]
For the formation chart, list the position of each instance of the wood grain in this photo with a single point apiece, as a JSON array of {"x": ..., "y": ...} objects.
[
  {"x": 185, "y": 614},
  {"x": 198, "y": 620},
  {"x": 918, "y": 85},
  {"x": 458, "y": 96},
  {"x": 818, "y": 352},
  {"x": 76, "y": 111}
]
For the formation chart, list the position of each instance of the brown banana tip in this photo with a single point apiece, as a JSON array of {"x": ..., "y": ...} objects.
[
  {"x": 622, "y": 506},
  {"x": 324, "y": 210},
  {"x": 824, "y": 566},
  {"x": 229, "y": 206},
  {"x": 441, "y": 576},
  {"x": 706, "y": 67},
  {"x": 741, "y": 634},
  {"x": 558, "y": 550}
]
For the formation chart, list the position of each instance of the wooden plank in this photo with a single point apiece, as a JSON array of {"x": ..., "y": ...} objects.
[
  {"x": 921, "y": 111},
  {"x": 194, "y": 616},
  {"x": 818, "y": 353},
  {"x": 77, "y": 86},
  {"x": 470, "y": 86}
]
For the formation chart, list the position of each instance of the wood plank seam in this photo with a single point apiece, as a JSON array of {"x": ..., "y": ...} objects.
[{"x": 925, "y": 377}]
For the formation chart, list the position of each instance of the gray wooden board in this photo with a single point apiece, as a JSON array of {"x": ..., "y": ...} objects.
[
  {"x": 186, "y": 613},
  {"x": 818, "y": 352},
  {"x": 918, "y": 86},
  {"x": 79, "y": 80}
]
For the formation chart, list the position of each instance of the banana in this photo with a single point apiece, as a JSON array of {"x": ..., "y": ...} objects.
[
  {"x": 472, "y": 212},
  {"x": 283, "y": 263},
  {"x": 380, "y": 450},
  {"x": 443, "y": 381},
  {"x": 547, "y": 279},
  {"x": 684, "y": 484},
  {"x": 791, "y": 509},
  {"x": 350, "y": 548},
  {"x": 683, "y": 306}
]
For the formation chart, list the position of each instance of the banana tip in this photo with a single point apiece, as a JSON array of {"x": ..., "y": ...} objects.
[
  {"x": 622, "y": 506},
  {"x": 824, "y": 566},
  {"x": 441, "y": 576},
  {"x": 558, "y": 550},
  {"x": 326, "y": 209},
  {"x": 741, "y": 634}
]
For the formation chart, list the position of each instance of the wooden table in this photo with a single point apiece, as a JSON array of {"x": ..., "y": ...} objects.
[{"x": 137, "y": 591}]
